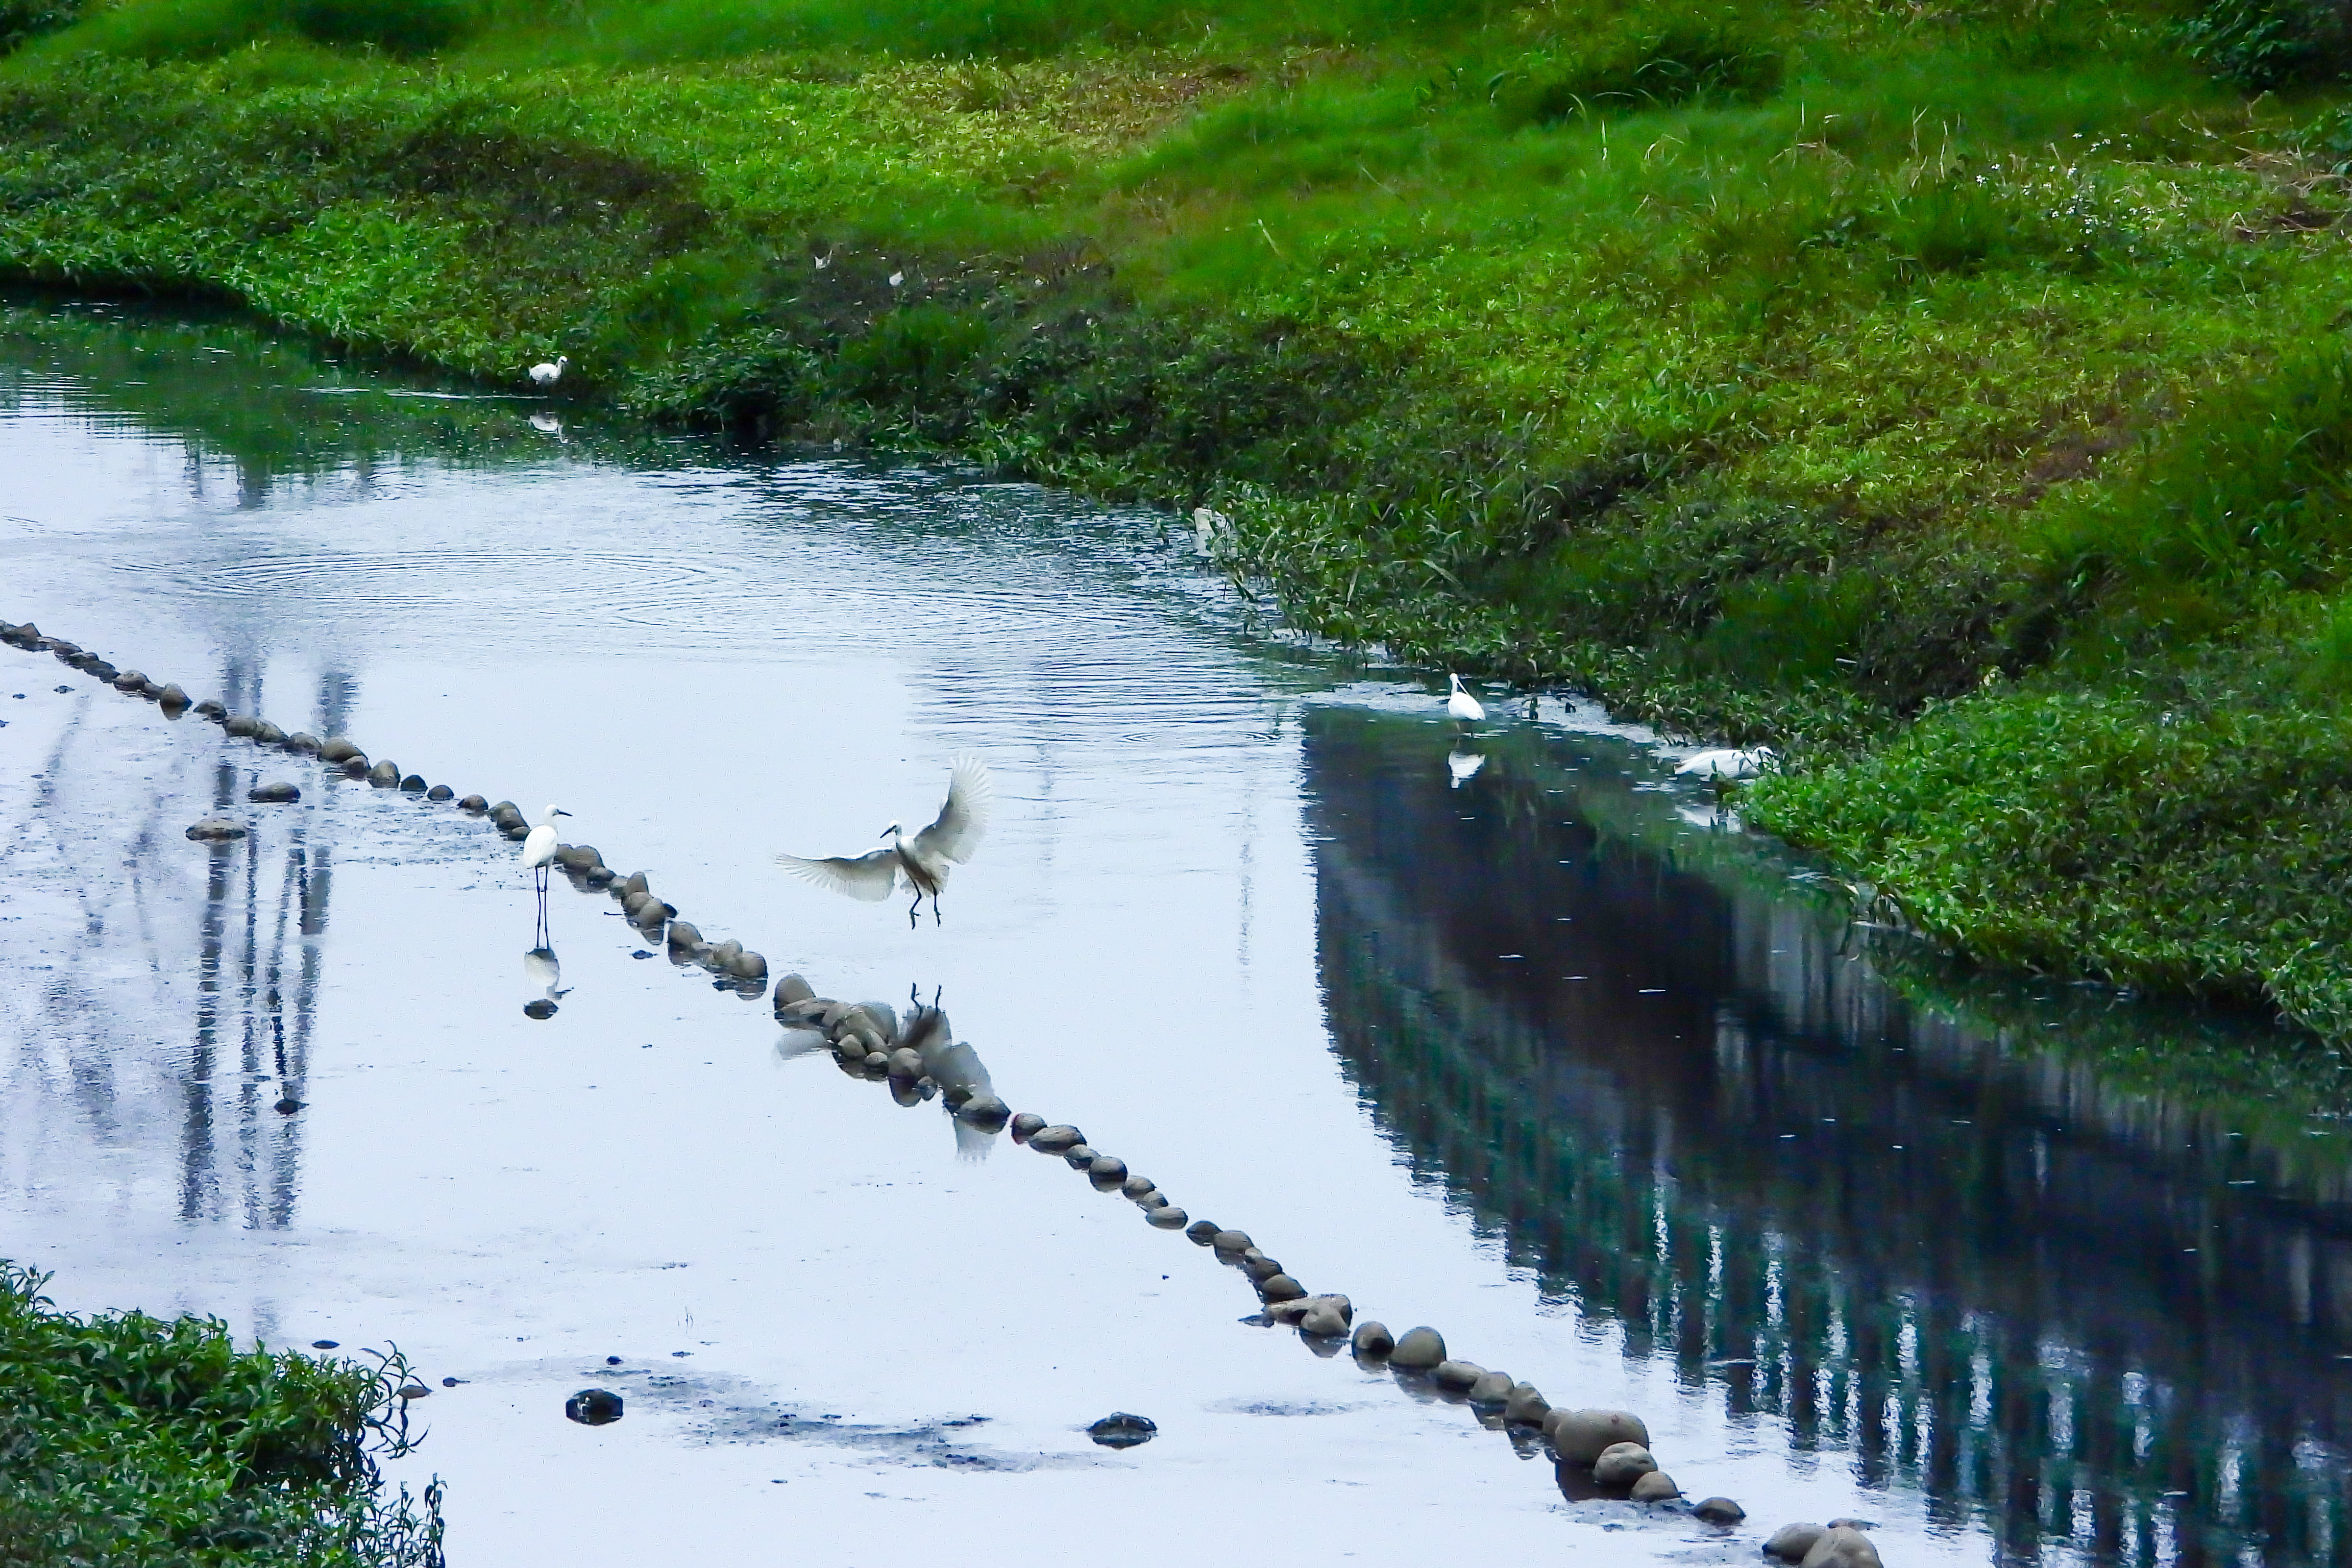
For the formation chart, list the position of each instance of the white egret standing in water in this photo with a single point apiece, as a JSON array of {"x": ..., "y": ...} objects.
[
  {"x": 548, "y": 374},
  {"x": 538, "y": 854},
  {"x": 925, "y": 860},
  {"x": 1461, "y": 704}
]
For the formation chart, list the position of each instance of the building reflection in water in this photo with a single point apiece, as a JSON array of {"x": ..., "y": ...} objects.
[{"x": 2101, "y": 1320}]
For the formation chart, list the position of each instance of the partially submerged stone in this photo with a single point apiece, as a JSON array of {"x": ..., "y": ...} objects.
[
  {"x": 1121, "y": 1430},
  {"x": 1421, "y": 1349},
  {"x": 215, "y": 830},
  {"x": 276, "y": 792},
  {"x": 1718, "y": 1510},
  {"x": 1621, "y": 1465},
  {"x": 1580, "y": 1436},
  {"x": 593, "y": 1407}
]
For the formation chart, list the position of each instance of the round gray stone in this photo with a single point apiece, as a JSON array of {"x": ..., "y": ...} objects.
[
  {"x": 1168, "y": 1218},
  {"x": 1655, "y": 1487},
  {"x": 1234, "y": 1241},
  {"x": 1421, "y": 1349},
  {"x": 1056, "y": 1138},
  {"x": 1027, "y": 1125},
  {"x": 1137, "y": 1187},
  {"x": 1492, "y": 1387},
  {"x": 1578, "y": 1436},
  {"x": 1621, "y": 1465},
  {"x": 1373, "y": 1340},
  {"x": 1281, "y": 1287},
  {"x": 215, "y": 830},
  {"x": 1718, "y": 1510},
  {"x": 1841, "y": 1546},
  {"x": 276, "y": 792},
  {"x": 1458, "y": 1375}
]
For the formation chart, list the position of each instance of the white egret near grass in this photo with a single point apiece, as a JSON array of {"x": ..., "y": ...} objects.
[
  {"x": 1460, "y": 703},
  {"x": 1726, "y": 763},
  {"x": 923, "y": 861},
  {"x": 545, "y": 374}
]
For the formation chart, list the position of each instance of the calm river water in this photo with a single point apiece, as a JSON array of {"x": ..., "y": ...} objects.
[{"x": 1505, "y": 1032}]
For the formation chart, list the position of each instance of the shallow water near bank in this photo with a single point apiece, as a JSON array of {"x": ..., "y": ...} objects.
[{"x": 1503, "y": 1031}]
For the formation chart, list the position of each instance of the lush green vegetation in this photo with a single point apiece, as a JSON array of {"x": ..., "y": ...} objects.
[
  {"x": 1951, "y": 392},
  {"x": 126, "y": 1440}
]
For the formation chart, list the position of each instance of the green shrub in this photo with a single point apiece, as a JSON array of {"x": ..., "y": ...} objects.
[
  {"x": 396, "y": 27},
  {"x": 2265, "y": 44},
  {"x": 1679, "y": 64},
  {"x": 24, "y": 19}
]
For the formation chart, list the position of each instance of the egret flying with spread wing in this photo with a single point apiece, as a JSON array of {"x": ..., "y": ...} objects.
[
  {"x": 1461, "y": 704},
  {"x": 924, "y": 860}
]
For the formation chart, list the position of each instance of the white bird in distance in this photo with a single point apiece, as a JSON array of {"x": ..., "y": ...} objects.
[
  {"x": 1461, "y": 704},
  {"x": 922, "y": 861},
  {"x": 1727, "y": 763}
]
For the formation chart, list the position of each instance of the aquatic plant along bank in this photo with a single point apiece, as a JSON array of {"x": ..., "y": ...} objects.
[
  {"x": 1822, "y": 376},
  {"x": 132, "y": 1439}
]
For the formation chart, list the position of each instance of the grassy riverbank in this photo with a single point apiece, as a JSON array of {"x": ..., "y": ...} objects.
[
  {"x": 126, "y": 1439},
  {"x": 1954, "y": 394}
]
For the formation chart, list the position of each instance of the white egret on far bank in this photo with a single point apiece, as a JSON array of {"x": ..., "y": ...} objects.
[
  {"x": 1726, "y": 763},
  {"x": 547, "y": 374},
  {"x": 1461, "y": 704},
  {"x": 922, "y": 861}
]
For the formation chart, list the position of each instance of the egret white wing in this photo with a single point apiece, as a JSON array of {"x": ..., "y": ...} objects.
[
  {"x": 971, "y": 795},
  {"x": 868, "y": 877}
]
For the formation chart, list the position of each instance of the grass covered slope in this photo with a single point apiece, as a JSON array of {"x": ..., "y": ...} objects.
[
  {"x": 128, "y": 1440},
  {"x": 1952, "y": 394}
]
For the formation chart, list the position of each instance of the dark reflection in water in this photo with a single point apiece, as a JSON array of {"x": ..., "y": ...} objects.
[{"x": 2109, "y": 1323}]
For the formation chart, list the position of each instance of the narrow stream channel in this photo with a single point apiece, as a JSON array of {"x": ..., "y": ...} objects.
[{"x": 1505, "y": 1031}]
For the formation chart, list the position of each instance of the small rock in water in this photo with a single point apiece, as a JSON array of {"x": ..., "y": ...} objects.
[
  {"x": 875, "y": 1062},
  {"x": 1258, "y": 1266},
  {"x": 287, "y": 1106},
  {"x": 577, "y": 857},
  {"x": 1078, "y": 1156},
  {"x": 415, "y": 1390},
  {"x": 1137, "y": 1187},
  {"x": 356, "y": 768},
  {"x": 172, "y": 700},
  {"x": 414, "y": 783},
  {"x": 1203, "y": 1231},
  {"x": 800, "y": 1015},
  {"x": 1026, "y": 1125},
  {"x": 209, "y": 708},
  {"x": 1154, "y": 1199},
  {"x": 1526, "y": 1406},
  {"x": 1168, "y": 1218},
  {"x": 652, "y": 915},
  {"x": 1580, "y": 1436},
  {"x": 241, "y": 725},
  {"x": 1120, "y": 1431},
  {"x": 130, "y": 680},
  {"x": 276, "y": 793},
  {"x": 748, "y": 965},
  {"x": 685, "y": 935},
  {"x": 1373, "y": 1340},
  {"x": 440, "y": 792},
  {"x": 792, "y": 988},
  {"x": 1841, "y": 1546},
  {"x": 1655, "y": 1487},
  {"x": 1492, "y": 1387},
  {"x": 339, "y": 750},
  {"x": 1791, "y": 1542},
  {"x": 385, "y": 775},
  {"x": 326, "y": 1344},
  {"x": 1234, "y": 1241},
  {"x": 266, "y": 733},
  {"x": 1327, "y": 1316},
  {"x": 593, "y": 1407},
  {"x": 215, "y": 830},
  {"x": 542, "y": 1008},
  {"x": 1718, "y": 1510},
  {"x": 983, "y": 1111},
  {"x": 906, "y": 1063},
  {"x": 1421, "y": 1349},
  {"x": 473, "y": 805},
  {"x": 1281, "y": 1287},
  {"x": 1457, "y": 1375},
  {"x": 1621, "y": 1465},
  {"x": 1056, "y": 1138},
  {"x": 301, "y": 741}
]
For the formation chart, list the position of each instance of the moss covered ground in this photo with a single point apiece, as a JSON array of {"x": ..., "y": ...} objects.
[
  {"x": 127, "y": 1442},
  {"x": 1952, "y": 394}
]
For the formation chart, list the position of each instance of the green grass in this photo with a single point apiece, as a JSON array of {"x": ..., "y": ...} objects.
[
  {"x": 127, "y": 1440},
  {"x": 1829, "y": 374}
]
